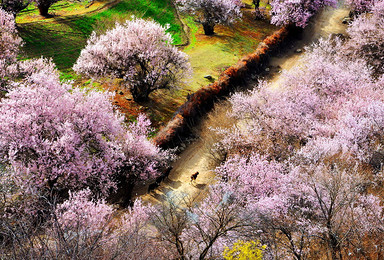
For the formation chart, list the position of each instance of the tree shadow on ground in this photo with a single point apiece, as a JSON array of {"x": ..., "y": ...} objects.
[
  {"x": 200, "y": 186},
  {"x": 172, "y": 184}
]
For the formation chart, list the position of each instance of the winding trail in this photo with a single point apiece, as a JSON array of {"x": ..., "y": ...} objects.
[
  {"x": 197, "y": 156},
  {"x": 328, "y": 22}
]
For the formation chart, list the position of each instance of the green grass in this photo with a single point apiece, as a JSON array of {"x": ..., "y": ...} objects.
[
  {"x": 62, "y": 38},
  {"x": 210, "y": 55},
  {"x": 194, "y": 28},
  {"x": 159, "y": 10},
  {"x": 66, "y": 6}
]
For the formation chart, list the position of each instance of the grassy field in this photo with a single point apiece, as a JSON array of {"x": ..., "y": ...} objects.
[
  {"x": 64, "y": 35},
  {"x": 210, "y": 55}
]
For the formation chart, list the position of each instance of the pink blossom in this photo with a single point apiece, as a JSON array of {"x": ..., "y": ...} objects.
[
  {"x": 80, "y": 214},
  {"x": 297, "y": 12},
  {"x": 10, "y": 43},
  {"x": 361, "y": 6},
  {"x": 367, "y": 37},
  {"x": 212, "y": 12},
  {"x": 139, "y": 52},
  {"x": 68, "y": 138}
]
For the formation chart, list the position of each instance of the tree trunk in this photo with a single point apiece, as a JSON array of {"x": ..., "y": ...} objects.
[
  {"x": 333, "y": 243},
  {"x": 180, "y": 248},
  {"x": 43, "y": 9},
  {"x": 206, "y": 249},
  {"x": 139, "y": 94},
  {"x": 258, "y": 14},
  {"x": 257, "y": 4},
  {"x": 208, "y": 28},
  {"x": 123, "y": 194}
]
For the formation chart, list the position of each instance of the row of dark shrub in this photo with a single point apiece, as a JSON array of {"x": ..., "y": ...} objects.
[{"x": 203, "y": 100}]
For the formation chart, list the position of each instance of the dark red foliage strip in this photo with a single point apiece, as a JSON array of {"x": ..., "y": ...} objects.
[{"x": 202, "y": 100}]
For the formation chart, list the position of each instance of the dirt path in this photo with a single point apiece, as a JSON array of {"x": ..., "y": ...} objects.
[
  {"x": 326, "y": 23},
  {"x": 198, "y": 156}
]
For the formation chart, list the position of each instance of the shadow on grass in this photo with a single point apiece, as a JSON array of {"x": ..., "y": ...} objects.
[
  {"x": 63, "y": 37},
  {"x": 53, "y": 40}
]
